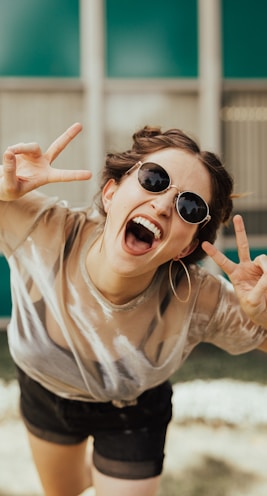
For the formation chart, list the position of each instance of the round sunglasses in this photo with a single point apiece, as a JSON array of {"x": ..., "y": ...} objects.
[{"x": 155, "y": 179}]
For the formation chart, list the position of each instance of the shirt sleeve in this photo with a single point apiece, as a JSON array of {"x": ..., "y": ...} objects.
[
  {"x": 229, "y": 327},
  {"x": 18, "y": 218}
]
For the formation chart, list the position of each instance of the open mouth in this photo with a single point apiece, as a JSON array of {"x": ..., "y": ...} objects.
[{"x": 141, "y": 235}]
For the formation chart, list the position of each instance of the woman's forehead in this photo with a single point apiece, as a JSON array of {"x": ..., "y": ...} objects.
[{"x": 184, "y": 168}]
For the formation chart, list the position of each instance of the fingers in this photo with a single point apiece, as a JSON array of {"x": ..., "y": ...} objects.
[
  {"x": 241, "y": 239},
  {"x": 27, "y": 148},
  {"x": 219, "y": 258},
  {"x": 261, "y": 261},
  {"x": 57, "y": 175},
  {"x": 242, "y": 246},
  {"x": 54, "y": 149},
  {"x": 258, "y": 299},
  {"x": 9, "y": 181},
  {"x": 62, "y": 141},
  {"x": 9, "y": 168},
  {"x": 260, "y": 289}
]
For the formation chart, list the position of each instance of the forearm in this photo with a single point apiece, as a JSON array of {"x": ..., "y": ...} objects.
[{"x": 18, "y": 217}]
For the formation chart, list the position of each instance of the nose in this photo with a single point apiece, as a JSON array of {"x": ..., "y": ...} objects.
[{"x": 164, "y": 203}]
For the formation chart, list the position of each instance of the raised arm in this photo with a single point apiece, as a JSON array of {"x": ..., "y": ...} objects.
[
  {"x": 249, "y": 277},
  {"x": 26, "y": 168}
]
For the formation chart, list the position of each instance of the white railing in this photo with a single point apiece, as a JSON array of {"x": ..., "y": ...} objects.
[{"x": 244, "y": 117}]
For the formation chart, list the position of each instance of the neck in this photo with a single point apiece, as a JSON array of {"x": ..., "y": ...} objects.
[{"x": 115, "y": 287}]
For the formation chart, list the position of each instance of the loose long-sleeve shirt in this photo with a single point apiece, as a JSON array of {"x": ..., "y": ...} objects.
[{"x": 109, "y": 352}]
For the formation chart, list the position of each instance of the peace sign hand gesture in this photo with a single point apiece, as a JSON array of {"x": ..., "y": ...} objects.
[
  {"x": 25, "y": 167},
  {"x": 248, "y": 277}
]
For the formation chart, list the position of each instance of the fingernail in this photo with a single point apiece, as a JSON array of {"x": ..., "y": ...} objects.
[{"x": 9, "y": 155}]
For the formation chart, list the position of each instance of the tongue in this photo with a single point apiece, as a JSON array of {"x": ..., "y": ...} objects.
[{"x": 136, "y": 245}]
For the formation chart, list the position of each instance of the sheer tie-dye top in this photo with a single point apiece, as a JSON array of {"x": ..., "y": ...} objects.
[{"x": 113, "y": 352}]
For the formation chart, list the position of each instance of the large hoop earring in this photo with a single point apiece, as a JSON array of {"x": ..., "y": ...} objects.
[{"x": 188, "y": 280}]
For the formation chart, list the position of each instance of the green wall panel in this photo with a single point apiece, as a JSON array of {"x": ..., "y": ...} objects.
[
  {"x": 244, "y": 38},
  {"x": 5, "y": 297},
  {"x": 39, "y": 38},
  {"x": 151, "y": 38},
  {"x": 232, "y": 253}
]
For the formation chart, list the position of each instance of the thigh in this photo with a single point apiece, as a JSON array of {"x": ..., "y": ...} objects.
[
  {"x": 63, "y": 470},
  {"x": 111, "y": 486}
]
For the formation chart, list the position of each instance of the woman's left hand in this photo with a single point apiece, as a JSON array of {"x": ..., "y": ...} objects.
[{"x": 248, "y": 277}]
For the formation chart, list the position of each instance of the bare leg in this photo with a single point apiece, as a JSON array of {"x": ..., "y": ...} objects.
[
  {"x": 63, "y": 470},
  {"x": 68, "y": 471},
  {"x": 105, "y": 485}
]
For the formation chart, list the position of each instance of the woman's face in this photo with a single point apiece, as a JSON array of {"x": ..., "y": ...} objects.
[{"x": 143, "y": 229}]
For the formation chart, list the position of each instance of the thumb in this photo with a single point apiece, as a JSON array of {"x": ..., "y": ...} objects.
[{"x": 9, "y": 183}]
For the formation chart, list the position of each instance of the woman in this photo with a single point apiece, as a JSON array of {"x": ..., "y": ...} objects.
[{"x": 109, "y": 302}]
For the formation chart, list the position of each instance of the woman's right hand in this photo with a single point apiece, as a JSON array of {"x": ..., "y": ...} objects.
[{"x": 26, "y": 168}]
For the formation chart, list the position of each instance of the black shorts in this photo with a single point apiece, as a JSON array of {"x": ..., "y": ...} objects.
[{"x": 128, "y": 442}]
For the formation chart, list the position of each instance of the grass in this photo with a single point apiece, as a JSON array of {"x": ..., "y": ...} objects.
[
  {"x": 208, "y": 362},
  {"x": 7, "y": 368}
]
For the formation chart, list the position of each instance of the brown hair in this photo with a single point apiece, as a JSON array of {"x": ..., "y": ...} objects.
[{"x": 150, "y": 139}]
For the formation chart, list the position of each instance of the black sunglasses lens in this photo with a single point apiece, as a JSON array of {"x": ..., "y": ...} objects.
[
  {"x": 153, "y": 177},
  {"x": 191, "y": 207}
]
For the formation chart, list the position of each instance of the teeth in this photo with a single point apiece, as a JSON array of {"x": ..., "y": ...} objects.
[{"x": 149, "y": 225}]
